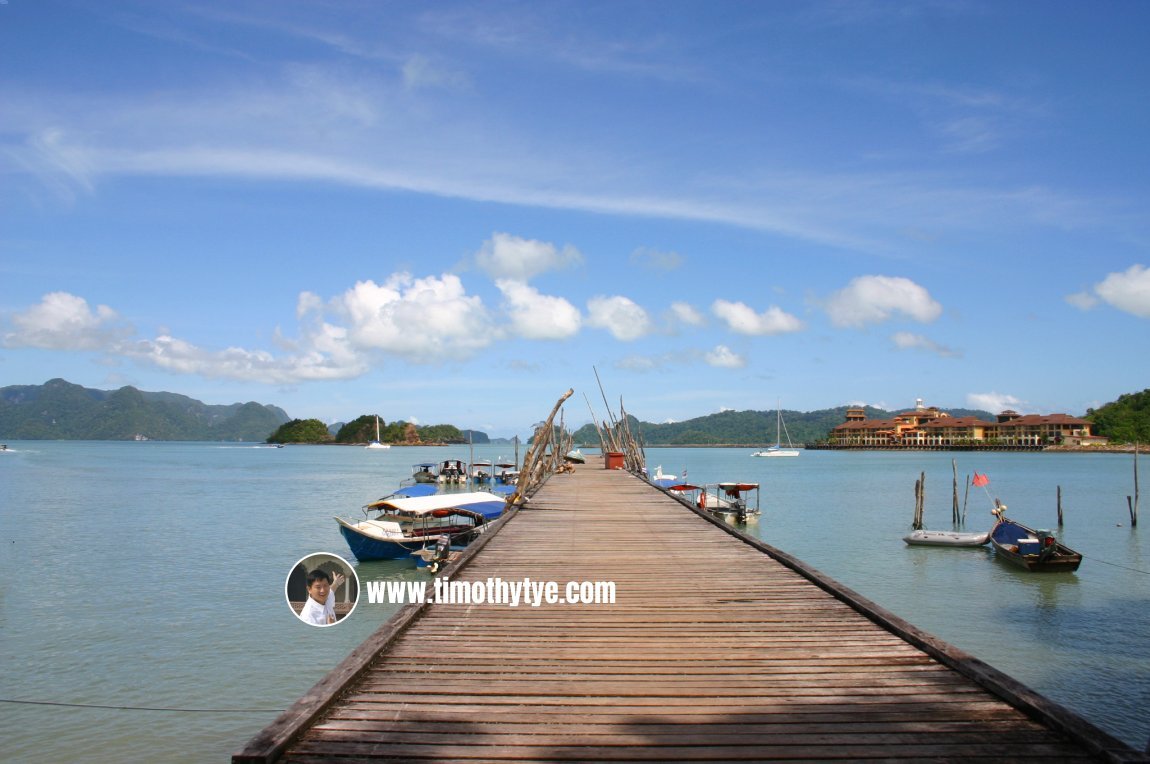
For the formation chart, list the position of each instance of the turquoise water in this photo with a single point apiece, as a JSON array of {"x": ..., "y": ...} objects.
[{"x": 151, "y": 576}]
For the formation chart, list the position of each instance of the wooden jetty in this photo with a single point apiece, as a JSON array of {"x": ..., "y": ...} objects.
[{"x": 717, "y": 648}]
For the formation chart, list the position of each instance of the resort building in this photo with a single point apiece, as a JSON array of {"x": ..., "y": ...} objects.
[{"x": 924, "y": 427}]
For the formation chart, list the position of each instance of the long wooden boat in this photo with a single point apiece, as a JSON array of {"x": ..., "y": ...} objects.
[{"x": 1034, "y": 550}]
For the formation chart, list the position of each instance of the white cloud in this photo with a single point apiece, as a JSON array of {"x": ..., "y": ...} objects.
[
  {"x": 63, "y": 321},
  {"x": 993, "y": 402},
  {"x": 182, "y": 357},
  {"x": 619, "y": 315},
  {"x": 743, "y": 319},
  {"x": 910, "y": 341},
  {"x": 505, "y": 256},
  {"x": 425, "y": 319},
  {"x": 536, "y": 316},
  {"x": 873, "y": 299},
  {"x": 1128, "y": 291},
  {"x": 725, "y": 358},
  {"x": 684, "y": 313}
]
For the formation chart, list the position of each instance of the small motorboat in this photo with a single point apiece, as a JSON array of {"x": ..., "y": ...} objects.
[
  {"x": 482, "y": 472},
  {"x": 946, "y": 538},
  {"x": 424, "y": 472},
  {"x": 1030, "y": 549},
  {"x": 397, "y": 525},
  {"x": 730, "y": 499},
  {"x": 452, "y": 471}
]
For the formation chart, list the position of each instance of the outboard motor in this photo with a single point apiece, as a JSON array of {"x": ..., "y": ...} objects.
[
  {"x": 741, "y": 510},
  {"x": 440, "y": 554}
]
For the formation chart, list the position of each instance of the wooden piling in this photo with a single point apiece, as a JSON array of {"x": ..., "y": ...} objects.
[
  {"x": 954, "y": 515},
  {"x": 919, "y": 501},
  {"x": 1059, "y": 506}
]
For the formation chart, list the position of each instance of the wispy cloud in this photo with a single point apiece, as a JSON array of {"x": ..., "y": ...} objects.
[
  {"x": 993, "y": 402},
  {"x": 723, "y": 357},
  {"x": 656, "y": 260},
  {"x": 911, "y": 341}
]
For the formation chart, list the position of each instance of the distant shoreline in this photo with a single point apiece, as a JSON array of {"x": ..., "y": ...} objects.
[{"x": 1109, "y": 449}]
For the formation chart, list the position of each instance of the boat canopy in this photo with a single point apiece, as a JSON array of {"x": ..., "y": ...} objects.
[
  {"x": 684, "y": 487},
  {"x": 488, "y": 505},
  {"x": 419, "y": 489},
  {"x": 738, "y": 487}
]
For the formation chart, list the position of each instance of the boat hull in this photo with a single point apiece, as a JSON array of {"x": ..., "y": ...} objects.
[
  {"x": 947, "y": 538},
  {"x": 367, "y": 548}
]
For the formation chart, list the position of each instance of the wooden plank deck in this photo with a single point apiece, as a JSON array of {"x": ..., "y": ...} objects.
[{"x": 715, "y": 650}]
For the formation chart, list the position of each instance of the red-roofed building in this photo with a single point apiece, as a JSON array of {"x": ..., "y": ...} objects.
[{"x": 924, "y": 427}]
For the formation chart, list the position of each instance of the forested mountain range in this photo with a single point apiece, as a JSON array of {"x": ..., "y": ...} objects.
[{"x": 60, "y": 410}]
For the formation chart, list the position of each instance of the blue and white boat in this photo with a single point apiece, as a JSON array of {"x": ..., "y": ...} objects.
[
  {"x": 506, "y": 472},
  {"x": 398, "y": 525},
  {"x": 482, "y": 472}
]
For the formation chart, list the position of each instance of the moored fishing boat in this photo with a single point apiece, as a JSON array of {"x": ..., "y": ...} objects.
[
  {"x": 452, "y": 471},
  {"x": 730, "y": 499},
  {"x": 424, "y": 472},
  {"x": 1030, "y": 549},
  {"x": 482, "y": 472},
  {"x": 506, "y": 472},
  {"x": 397, "y": 525}
]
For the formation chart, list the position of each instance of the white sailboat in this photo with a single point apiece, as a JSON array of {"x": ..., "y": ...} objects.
[
  {"x": 780, "y": 430},
  {"x": 376, "y": 443}
]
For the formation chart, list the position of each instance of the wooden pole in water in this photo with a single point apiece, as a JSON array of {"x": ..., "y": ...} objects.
[
  {"x": 1059, "y": 506},
  {"x": 1133, "y": 505},
  {"x": 919, "y": 501},
  {"x": 954, "y": 516},
  {"x": 965, "y": 499}
]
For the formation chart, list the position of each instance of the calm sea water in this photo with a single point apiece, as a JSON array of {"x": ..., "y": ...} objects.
[{"x": 151, "y": 576}]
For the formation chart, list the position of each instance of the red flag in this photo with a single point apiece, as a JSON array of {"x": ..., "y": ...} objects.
[{"x": 979, "y": 480}]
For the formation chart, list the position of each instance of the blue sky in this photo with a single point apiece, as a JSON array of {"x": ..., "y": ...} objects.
[{"x": 452, "y": 212}]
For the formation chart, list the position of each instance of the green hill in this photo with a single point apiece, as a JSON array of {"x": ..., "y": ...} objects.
[
  {"x": 60, "y": 410},
  {"x": 1126, "y": 420}
]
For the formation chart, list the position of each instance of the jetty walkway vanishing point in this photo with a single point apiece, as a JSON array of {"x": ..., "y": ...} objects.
[{"x": 717, "y": 648}]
